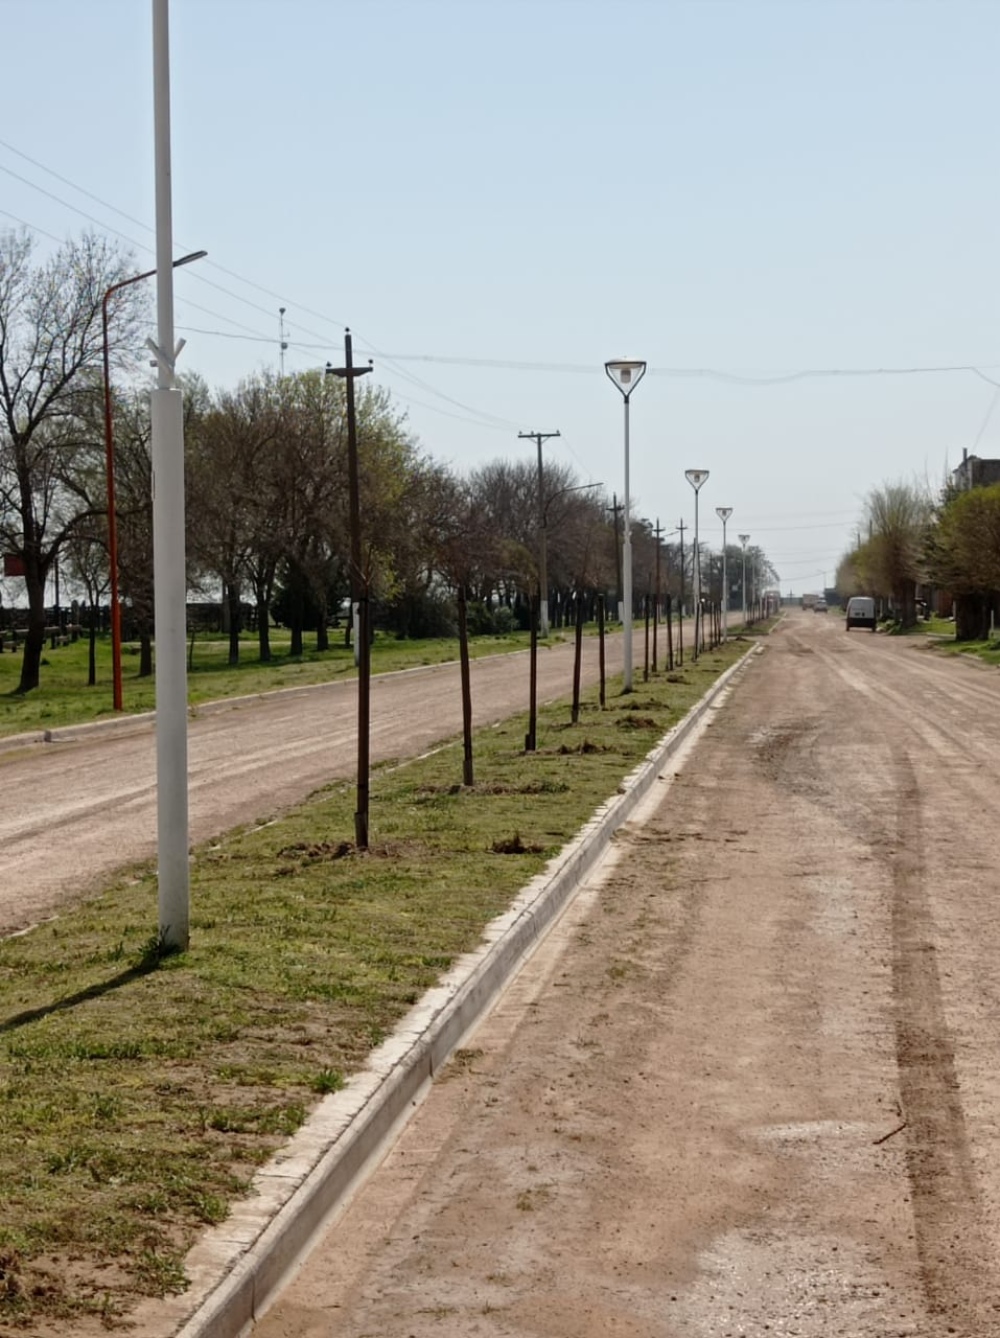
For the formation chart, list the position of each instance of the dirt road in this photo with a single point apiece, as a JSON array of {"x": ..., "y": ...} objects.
[
  {"x": 750, "y": 1084},
  {"x": 73, "y": 812}
]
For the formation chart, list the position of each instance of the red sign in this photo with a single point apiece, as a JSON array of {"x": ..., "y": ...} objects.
[{"x": 13, "y": 564}]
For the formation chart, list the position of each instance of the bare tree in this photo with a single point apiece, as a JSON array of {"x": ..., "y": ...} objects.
[
  {"x": 88, "y": 558},
  {"x": 234, "y": 497},
  {"x": 51, "y": 348},
  {"x": 892, "y": 560},
  {"x": 465, "y": 547}
]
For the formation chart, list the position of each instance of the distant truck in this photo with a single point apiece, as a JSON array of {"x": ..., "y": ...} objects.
[{"x": 809, "y": 601}]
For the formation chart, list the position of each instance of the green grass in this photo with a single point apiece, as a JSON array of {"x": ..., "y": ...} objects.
[
  {"x": 934, "y": 626},
  {"x": 987, "y": 651},
  {"x": 63, "y": 698},
  {"x": 942, "y": 630},
  {"x": 139, "y": 1093}
]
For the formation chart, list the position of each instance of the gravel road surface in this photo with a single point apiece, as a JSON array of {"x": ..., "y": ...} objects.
[
  {"x": 74, "y": 811},
  {"x": 749, "y": 1086}
]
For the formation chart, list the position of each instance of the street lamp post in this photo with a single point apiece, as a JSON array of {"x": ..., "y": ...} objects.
[
  {"x": 744, "y": 540},
  {"x": 169, "y": 567},
  {"x": 696, "y": 477},
  {"x": 109, "y": 466},
  {"x": 626, "y": 373},
  {"x": 724, "y": 512}
]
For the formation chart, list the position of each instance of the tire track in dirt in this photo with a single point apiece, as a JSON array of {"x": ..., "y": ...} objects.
[
  {"x": 957, "y": 1265},
  {"x": 955, "y": 1261},
  {"x": 969, "y": 759}
]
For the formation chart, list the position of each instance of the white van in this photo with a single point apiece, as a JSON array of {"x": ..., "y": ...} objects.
[{"x": 861, "y": 612}]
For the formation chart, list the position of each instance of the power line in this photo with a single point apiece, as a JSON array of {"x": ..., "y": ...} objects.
[
  {"x": 709, "y": 373},
  {"x": 106, "y": 204},
  {"x": 489, "y": 419},
  {"x": 30, "y": 226}
]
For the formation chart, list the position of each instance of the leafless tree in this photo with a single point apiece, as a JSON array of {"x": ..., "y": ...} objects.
[{"x": 51, "y": 348}]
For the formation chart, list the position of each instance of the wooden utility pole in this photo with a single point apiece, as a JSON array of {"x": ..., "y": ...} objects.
[
  {"x": 656, "y": 607},
  {"x": 359, "y": 592},
  {"x": 615, "y": 508},
  {"x": 543, "y": 574}
]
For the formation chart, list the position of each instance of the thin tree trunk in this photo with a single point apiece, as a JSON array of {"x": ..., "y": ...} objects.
[
  {"x": 463, "y": 652},
  {"x": 263, "y": 630},
  {"x": 656, "y": 621},
  {"x": 577, "y": 657},
  {"x": 530, "y": 737},
  {"x": 233, "y": 612},
  {"x": 322, "y": 630},
  {"x": 34, "y": 642},
  {"x": 92, "y": 649},
  {"x": 645, "y": 667}
]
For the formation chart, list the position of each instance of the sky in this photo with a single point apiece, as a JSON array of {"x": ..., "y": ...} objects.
[{"x": 787, "y": 208}]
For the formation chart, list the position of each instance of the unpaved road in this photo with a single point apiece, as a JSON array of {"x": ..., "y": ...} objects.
[
  {"x": 74, "y": 811},
  {"x": 750, "y": 1086}
]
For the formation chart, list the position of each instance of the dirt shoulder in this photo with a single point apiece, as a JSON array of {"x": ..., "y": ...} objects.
[{"x": 748, "y": 1086}]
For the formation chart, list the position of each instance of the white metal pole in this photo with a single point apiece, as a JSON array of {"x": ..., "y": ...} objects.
[
  {"x": 725, "y": 589},
  {"x": 169, "y": 577},
  {"x": 697, "y": 582},
  {"x": 627, "y": 574},
  {"x": 744, "y": 587}
]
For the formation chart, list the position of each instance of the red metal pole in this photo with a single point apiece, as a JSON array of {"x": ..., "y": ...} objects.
[{"x": 109, "y": 464}]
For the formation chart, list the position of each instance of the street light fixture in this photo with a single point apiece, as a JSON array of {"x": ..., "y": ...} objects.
[
  {"x": 109, "y": 466},
  {"x": 724, "y": 512},
  {"x": 626, "y": 373},
  {"x": 696, "y": 477},
  {"x": 744, "y": 540}
]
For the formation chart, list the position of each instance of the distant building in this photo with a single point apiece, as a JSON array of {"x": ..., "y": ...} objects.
[{"x": 975, "y": 473}]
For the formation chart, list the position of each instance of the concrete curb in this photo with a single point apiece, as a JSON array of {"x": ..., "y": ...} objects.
[
  {"x": 239, "y": 1265},
  {"x": 124, "y": 724}
]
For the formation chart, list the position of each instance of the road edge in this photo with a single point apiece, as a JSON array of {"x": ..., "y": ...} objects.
[{"x": 138, "y": 721}]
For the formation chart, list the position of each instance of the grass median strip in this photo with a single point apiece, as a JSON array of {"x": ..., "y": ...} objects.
[{"x": 139, "y": 1093}]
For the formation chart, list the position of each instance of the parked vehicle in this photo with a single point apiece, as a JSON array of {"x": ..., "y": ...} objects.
[
  {"x": 819, "y": 606},
  {"x": 861, "y": 612}
]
